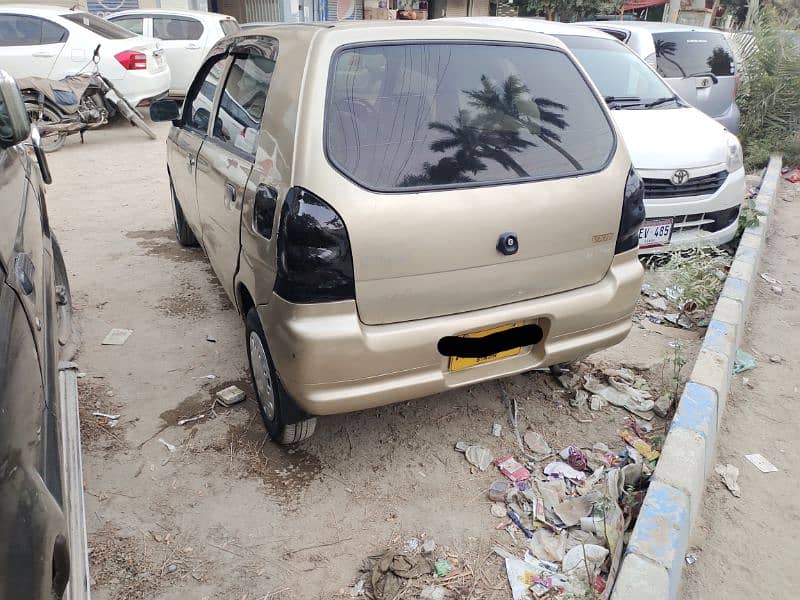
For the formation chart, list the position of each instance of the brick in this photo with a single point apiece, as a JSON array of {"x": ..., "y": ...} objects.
[
  {"x": 730, "y": 311},
  {"x": 720, "y": 338},
  {"x": 714, "y": 370},
  {"x": 741, "y": 270},
  {"x": 661, "y": 533},
  {"x": 683, "y": 465},
  {"x": 641, "y": 579}
]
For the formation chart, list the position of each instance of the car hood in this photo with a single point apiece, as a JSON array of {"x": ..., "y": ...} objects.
[{"x": 678, "y": 138}]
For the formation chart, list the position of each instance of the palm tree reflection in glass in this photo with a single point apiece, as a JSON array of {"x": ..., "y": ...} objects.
[{"x": 504, "y": 123}]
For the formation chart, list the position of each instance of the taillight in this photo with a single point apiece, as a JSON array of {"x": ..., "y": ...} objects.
[
  {"x": 132, "y": 60},
  {"x": 314, "y": 259},
  {"x": 632, "y": 213}
]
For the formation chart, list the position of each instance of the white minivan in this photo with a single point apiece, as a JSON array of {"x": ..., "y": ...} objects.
[{"x": 691, "y": 165}]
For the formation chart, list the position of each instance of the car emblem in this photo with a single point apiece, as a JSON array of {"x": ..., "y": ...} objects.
[{"x": 679, "y": 177}]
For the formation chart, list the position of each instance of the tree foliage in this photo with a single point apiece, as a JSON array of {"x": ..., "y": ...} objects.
[
  {"x": 569, "y": 10},
  {"x": 769, "y": 97}
]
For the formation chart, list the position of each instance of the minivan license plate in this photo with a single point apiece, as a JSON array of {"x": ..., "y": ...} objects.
[
  {"x": 458, "y": 363},
  {"x": 656, "y": 232}
]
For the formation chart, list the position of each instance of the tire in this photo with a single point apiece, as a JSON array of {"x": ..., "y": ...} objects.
[
  {"x": 273, "y": 401},
  {"x": 183, "y": 232},
  {"x": 50, "y": 143}
]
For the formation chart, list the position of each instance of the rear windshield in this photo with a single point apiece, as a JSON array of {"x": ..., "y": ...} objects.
[
  {"x": 428, "y": 115},
  {"x": 101, "y": 27},
  {"x": 691, "y": 53},
  {"x": 229, "y": 26}
]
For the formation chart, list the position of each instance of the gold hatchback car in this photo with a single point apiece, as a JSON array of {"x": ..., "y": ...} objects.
[{"x": 398, "y": 209}]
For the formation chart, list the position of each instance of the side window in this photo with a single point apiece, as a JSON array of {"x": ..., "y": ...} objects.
[
  {"x": 52, "y": 33},
  {"x": 177, "y": 28},
  {"x": 132, "y": 24},
  {"x": 242, "y": 104},
  {"x": 200, "y": 99},
  {"x": 19, "y": 30}
]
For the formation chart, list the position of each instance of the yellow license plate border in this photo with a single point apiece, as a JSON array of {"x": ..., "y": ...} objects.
[{"x": 458, "y": 363}]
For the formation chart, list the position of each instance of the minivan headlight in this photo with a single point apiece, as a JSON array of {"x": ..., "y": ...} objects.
[{"x": 735, "y": 159}]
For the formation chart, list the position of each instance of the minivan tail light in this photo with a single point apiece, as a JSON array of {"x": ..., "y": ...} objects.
[
  {"x": 315, "y": 263},
  {"x": 632, "y": 213},
  {"x": 132, "y": 60}
]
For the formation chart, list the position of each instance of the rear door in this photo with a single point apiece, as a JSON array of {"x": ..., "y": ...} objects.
[
  {"x": 183, "y": 41},
  {"x": 29, "y": 46},
  {"x": 188, "y": 137},
  {"x": 226, "y": 158},
  {"x": 688, "y": 59},
  {"x": 449, "y": 146}
]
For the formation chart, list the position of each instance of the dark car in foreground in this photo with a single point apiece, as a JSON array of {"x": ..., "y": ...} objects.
[{"x": 42, "y": 539}]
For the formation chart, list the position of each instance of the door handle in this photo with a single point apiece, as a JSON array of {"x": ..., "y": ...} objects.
[
  {"x": 191, "y": 160},
  {"x": 230, "y": 196},
  {"x": 193, "y": 46},
  {"x": 43, "y": 55}
]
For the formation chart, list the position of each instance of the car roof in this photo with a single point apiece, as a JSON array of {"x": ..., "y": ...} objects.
[
  {"x": 399, "y": 30},
  {"x": 652, "y": 26},
  {"x": 37, "y": 9},
  {"x": 199, "y": 14},
  {"x": 529, "y": 24}
]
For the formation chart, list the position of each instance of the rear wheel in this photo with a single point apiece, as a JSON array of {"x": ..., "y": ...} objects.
[
  {"x": 41, "y": 116},
  {"x": 182, "y": 230},
  {"x": 273, "y": 401}
]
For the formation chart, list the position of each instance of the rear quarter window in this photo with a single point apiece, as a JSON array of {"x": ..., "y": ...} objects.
[
  {"x": 431, "y": 115},
  {"x": 229, "y": 26},
  {"x": 691, "y": 53}
]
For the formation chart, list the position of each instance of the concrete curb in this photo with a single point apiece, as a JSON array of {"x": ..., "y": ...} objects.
[{"x": 653, "y": 561}]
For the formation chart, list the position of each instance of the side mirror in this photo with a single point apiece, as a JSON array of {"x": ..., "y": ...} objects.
[
  {"x": 164, "y": 110},
  {"x": 15, "y": 125}
]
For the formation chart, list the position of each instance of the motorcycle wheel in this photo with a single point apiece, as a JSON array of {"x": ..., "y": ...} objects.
[{"x": 50, "y": 143}]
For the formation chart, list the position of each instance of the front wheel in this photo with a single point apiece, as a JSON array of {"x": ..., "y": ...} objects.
[
  {"x": 273, "y": 401},
  {"x": 183, "y": 232},
  {"x": 42, "y": 116}
]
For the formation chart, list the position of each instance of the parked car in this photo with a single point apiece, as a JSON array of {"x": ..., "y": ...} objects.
[
  {"x": 691, "y": 166},
  {"x": 698, "y": 63},
  {"x": 42, "y": 539},
  {"x": 186, "y": 36},
  {"x": 410, "y": 216},
  {"x": 53, "y": 42}
]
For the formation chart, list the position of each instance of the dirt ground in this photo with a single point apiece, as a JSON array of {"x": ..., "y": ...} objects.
[
  {"x": 747, "y": 547},
  {"x": 227, "y": 514}
]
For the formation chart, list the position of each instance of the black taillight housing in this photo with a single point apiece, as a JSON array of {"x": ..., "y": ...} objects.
[
  {"x": 315, "y": 263},
  {"x": 632, "y": 213}
]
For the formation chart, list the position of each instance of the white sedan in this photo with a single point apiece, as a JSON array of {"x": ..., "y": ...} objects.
[
  {"x": 56, "y": 42},
  {"x": 186, "y": 35}
]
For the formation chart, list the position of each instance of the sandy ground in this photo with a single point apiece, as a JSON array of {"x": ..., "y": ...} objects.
[
  {"x": 747, "y": 547},
  {"x": 228, "y": 514}
]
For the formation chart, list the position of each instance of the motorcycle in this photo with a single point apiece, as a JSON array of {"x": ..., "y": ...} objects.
[{"x": 75, "y": 104}]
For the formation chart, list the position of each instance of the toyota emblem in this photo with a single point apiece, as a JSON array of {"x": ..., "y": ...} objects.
[{"x": 679, "y": 177}]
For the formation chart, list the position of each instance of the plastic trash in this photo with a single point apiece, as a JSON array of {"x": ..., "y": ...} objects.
[
  {"x": 116, "y": 337},
  {"x": 578, "y": 557},
  {"x": 432, "y": 592},
  {"x": 535, "y": 441},
  {"x": 621, "y": 394},
  {"x": 744, "y": 361},
  {"x": 641, "y": 446},
  {"x": 562, "y": 469},
  {"x": 498, "y": 490},
  {"x": 479, "y": 456},
  {"x": 442, "y": 567}
]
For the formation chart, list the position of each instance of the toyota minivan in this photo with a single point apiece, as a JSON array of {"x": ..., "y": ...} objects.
[{"x": 399, "y": 209}]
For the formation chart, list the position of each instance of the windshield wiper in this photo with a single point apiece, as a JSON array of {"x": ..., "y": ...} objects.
[
  {"x": 708, "y": 74},
  {"x": 660, "y": 101},
  {"x": 617, "y": 99}
]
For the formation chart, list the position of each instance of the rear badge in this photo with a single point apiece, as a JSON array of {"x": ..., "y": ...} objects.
[{"x": 602, "y": 237}]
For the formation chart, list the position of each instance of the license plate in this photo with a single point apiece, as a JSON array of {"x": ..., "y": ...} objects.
[
  {"x": 656, "y": 232},
  {"x": 458, "y": 363}
]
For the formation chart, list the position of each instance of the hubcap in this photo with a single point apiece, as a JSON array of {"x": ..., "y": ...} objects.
[{"x": 260, "y": 368}]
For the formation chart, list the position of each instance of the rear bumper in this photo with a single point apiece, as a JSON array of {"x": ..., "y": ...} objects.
[
  {"x": 139, "y": 86},
  {"x": 330, "y": 362},
  {"x": 689, "y": 232},
  {"x": 730, "y": 118}
]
